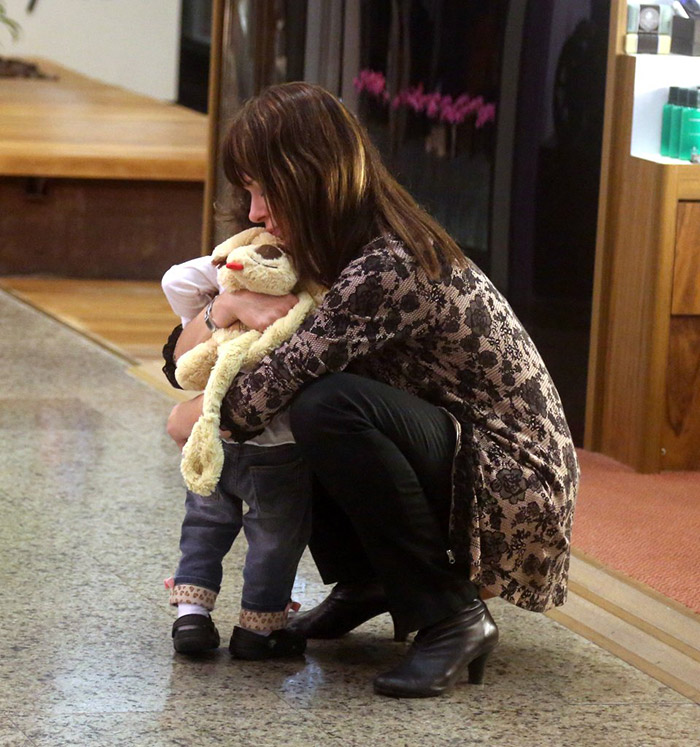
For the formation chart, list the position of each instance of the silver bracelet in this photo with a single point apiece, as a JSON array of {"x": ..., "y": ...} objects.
[{"x": 211, "y": 325}]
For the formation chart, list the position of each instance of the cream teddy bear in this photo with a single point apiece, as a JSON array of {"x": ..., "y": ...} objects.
[{"x": 250, "y": 260}]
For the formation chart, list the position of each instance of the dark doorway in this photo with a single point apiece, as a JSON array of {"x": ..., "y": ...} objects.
[
  {"x": 555, "y": 178},
  {"x": 195, "y": 52}
]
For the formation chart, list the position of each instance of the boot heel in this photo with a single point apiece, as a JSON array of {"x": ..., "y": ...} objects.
[
  {"x": 476, "y": 669},
  {"x": 398, "y": 637}
]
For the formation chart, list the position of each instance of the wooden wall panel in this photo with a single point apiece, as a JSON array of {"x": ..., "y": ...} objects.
[
  {"x": 92, "y": 228},
  {"x": 634, "y": 362},
  {"x": 686, "y": 273},
  {"x": 616, "y": 143},
  {"x": 680, "y": 438},
  {"x": 643, "y": 399},
  {"x": 688, "y": 183}
]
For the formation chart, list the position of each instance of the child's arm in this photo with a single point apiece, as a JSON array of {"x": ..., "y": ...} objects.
[
  {"x": 190, "y": 286},
  {"x": 254, "y": 310}
]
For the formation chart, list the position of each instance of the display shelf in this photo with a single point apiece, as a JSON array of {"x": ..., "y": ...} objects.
[
  {"x": 643, "y": 405},
  {"x": 96, "y": 181},
  {"x": 654, "y": 74}
]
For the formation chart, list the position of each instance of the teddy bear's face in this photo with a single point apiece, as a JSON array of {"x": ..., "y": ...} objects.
[{"x": 262, "y": 268}]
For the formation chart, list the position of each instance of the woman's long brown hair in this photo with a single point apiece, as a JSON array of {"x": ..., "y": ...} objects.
[{"x": 325, "y": 182}]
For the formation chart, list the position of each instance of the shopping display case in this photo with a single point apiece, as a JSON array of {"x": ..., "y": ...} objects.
[{"x": 643, "y": 400}]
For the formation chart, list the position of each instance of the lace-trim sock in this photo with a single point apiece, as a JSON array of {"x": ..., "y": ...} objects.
[
  {"x": 262, "y": 622},
  {"x": 191, "y": 594},
  {"x": 192, "y": 609}
]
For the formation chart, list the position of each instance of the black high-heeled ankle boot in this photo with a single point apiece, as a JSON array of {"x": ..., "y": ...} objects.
[
  {"x": 343, "y": 610},
  {"x": 440, "y": 653}
]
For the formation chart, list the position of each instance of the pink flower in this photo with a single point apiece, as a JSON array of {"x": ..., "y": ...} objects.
[
  {"x": 453, "y": 112},
  {"x": 486, "y": 114},
  {"x": 372, "y": 82},
  {"x": 415, "y": 98},
  {"x": 434, "y": 104},
  {"x": 473, "y": 106}
]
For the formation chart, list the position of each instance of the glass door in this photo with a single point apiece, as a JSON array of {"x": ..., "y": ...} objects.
[
  {"x": 426, "y": 85},
  {"x": 255, "y": 43},
  {"x": 422, "y": 75}
]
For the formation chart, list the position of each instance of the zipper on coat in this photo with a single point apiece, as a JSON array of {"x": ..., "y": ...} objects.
[
  {"x": 458, "y": 437},
  {"x": 451, "y": 557}
]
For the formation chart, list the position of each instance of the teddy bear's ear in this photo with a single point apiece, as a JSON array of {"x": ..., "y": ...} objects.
[
  {"x": 221, "y": 252},
  {"x": 268, "y": 251}
]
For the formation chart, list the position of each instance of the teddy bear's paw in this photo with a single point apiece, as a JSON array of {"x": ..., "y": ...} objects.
[
  {"x": 202, "y": 458},
  {"x": 202, "y": 485},
  {"x": 193, "y": 368},
  {"x": 192, "y": 381}
]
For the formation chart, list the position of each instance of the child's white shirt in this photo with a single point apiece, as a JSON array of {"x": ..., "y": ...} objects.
[{"x": 189, "y": 287}]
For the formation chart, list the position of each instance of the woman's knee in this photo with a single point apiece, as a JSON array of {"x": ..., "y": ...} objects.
[{"x": 321, "y": 405}]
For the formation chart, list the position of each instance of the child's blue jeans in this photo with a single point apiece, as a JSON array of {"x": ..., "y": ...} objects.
[{"x": 266, "y": 490}]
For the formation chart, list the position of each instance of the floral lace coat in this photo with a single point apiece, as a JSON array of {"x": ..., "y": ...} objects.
[{"x": 456, "y": 343}]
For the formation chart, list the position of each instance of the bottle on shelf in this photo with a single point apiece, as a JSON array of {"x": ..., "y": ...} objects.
[
  {"x": 666, "y": 125},
  {"x": 689, "y": 140},
  {"x": 676, "y": 118}
]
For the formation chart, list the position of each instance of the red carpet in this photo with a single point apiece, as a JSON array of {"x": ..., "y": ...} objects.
[{"x": 646, "y": 526}]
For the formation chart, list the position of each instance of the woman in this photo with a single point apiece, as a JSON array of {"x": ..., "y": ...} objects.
[{"x": 443, "y": 463}]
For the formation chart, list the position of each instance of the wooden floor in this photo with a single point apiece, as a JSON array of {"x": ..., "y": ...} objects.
[{"x": 130, "y": 318}]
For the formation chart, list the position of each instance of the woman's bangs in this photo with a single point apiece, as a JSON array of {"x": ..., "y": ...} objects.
[{"x": 238, "y": 158}]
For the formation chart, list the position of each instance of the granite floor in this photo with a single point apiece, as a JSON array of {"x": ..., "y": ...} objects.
[{"x": 91, "y": 502}]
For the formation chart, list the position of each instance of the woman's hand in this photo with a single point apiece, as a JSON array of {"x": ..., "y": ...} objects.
[
  {"x": 257, "y": 310},
  {"x": 182, "y": 419}
]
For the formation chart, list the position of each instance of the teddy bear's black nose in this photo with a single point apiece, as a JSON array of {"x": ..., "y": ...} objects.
[{"x": 268, "y": 251}]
